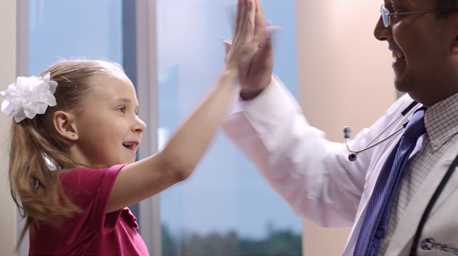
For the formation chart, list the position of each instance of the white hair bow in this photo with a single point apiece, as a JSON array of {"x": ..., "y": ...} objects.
[{"x": 29, "y": 96}]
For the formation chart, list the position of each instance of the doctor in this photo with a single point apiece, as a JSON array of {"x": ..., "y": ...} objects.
[{"x": 316, "y": 176}]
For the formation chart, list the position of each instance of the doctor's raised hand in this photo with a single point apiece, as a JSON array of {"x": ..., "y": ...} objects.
[{"x": 257, "y": 58}]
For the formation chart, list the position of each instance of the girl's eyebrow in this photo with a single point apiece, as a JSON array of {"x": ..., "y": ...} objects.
[{"x": 123, "y": 100}]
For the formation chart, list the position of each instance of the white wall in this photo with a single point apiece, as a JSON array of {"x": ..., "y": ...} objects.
[
  {"x": 7, "y": 76},
  {"x": 345, "y": 78}
]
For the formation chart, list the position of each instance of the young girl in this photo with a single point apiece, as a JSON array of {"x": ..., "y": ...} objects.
[{"x": 74, "y": 140}]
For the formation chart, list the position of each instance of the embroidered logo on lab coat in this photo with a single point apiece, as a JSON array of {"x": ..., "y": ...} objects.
[{"x": 430, "y": 244}]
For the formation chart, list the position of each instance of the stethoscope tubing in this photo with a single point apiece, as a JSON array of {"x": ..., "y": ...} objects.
[
  {"x": 369, "y": 146},
  {"x": 353, "y": 153}
]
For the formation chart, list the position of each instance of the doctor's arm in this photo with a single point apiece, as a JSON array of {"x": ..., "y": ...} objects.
[
  {"x": 269, "y": 128},
  {"x": 310, "y": 172}
]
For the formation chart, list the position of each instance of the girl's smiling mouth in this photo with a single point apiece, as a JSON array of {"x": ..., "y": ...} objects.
[{"x": 131, "y": 145}]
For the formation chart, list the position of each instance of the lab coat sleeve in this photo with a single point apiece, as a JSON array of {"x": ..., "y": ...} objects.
[{"x": 310, "y": 172}]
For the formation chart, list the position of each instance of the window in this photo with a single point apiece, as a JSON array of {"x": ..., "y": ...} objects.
[{"x": 225, "y": 207}]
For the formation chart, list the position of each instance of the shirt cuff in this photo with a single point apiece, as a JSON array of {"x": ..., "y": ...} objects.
[{"x": 276, "y": 99}]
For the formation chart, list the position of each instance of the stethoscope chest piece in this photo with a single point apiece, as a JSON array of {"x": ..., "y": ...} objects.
[{"x": 352, "y": 157}]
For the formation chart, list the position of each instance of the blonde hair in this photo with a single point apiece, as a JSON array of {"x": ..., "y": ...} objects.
[{"x": 36, "y": 147}]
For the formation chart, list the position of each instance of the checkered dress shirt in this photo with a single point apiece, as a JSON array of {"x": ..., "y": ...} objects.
[{"x": 441, "y": 122}]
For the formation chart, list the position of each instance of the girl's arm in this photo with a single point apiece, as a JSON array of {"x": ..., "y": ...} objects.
[{"x": 145, "y": 178}]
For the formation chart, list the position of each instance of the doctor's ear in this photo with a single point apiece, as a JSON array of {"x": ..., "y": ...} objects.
[
  {"x": 455, "y": 31},
  {"x": 64, "y": 124},
  {"x": 455, "y": 46}
]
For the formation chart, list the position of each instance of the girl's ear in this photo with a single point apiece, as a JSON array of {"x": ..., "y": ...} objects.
[{"x": 64, "y": 123}]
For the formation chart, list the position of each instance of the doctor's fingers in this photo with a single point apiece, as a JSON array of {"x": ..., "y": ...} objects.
[
  {"x": 260, "y": 21},
  {"x": 273, "y": 30}
]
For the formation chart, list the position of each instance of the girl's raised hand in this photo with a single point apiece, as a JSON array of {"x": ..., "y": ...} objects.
[{"x": 245, "y": 43}]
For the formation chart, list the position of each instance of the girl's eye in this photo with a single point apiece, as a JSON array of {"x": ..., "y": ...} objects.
[{"x": 122, "y": 109}]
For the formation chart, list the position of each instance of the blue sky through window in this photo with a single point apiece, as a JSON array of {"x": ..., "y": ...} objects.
[{"x": 89, "y": 29}]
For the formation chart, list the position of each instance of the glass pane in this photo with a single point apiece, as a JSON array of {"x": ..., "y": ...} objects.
[
  {"x": 90, "y": 29},
  {"x": 226, "y": 207}
]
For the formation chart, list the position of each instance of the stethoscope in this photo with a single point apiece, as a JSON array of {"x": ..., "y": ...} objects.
[
  {"x": 353, "y": 155},
  {"x": 347, "y": 131}
]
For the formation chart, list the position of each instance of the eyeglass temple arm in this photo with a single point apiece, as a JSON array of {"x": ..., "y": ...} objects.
[{"x": 405, "y": 13}]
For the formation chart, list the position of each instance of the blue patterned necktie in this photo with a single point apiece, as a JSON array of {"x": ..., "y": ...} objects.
[{"x": 378, "y": 209}]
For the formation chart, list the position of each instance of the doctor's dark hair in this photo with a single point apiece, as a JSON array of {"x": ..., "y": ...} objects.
[
  {"x": 446, "y": 5},
  {"x": 38, "y": 153}
]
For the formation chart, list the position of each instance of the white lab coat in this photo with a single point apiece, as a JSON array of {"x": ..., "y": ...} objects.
[{"x": 320, "y": 183}]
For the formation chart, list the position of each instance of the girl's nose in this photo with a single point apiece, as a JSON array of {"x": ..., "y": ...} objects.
[{"x": 140, "y": 126}]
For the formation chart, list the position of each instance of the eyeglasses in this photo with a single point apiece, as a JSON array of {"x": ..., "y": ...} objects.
[{"x": 386, "y": 15}]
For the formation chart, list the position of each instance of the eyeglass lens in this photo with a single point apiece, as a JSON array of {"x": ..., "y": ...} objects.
[{"x": 385, "y": 17}]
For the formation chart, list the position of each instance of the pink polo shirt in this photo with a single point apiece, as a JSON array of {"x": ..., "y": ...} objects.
[{"x": 92, "y": 232}]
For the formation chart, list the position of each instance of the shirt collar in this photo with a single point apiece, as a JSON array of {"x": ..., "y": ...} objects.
[{"x": 441, "y": 121}]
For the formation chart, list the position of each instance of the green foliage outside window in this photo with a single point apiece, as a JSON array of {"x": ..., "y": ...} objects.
[{"x": 277, "y": 243}]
